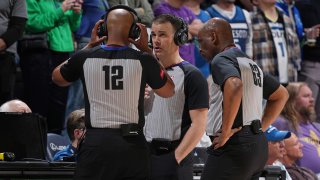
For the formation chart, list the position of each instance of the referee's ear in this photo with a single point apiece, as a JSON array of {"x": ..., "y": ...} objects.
[{"x": 57, "y": 78}]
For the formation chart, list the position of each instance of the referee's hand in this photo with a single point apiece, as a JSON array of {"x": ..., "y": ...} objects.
[
  {"x": 95, "y": 39},
  {"x": 147, "y": 92},
  {"x": 142, "y": 42},
  {"x": 221, "y": 138}
]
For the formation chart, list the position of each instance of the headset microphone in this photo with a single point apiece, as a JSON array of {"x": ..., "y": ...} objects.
[
  {"x": 7, "y": 156},
  {"x": 150, "y": 42}
]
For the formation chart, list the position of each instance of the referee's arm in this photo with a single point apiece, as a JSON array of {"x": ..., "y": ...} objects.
[
  {"x": 275, "y": 104},
  {"x": 232, "y": 95},
  {"x": 167, "y": 90},
  {"x": 57, "y": 77},
  {"x": 194, "y": 133}
]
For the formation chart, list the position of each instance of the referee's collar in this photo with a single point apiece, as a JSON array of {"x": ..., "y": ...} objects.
[
  {"x": 113, "y": 47},
  {"x": 178, "y": 64}
]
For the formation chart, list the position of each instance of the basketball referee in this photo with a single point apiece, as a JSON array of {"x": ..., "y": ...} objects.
[
  {"x": 175, "y": 125},
  {"x": 235, "y": 117},
  {"x": 114, "y": 77}
]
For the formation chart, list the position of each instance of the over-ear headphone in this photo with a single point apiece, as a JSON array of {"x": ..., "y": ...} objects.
[
  {"x": 134, "y": 31},
  {"x": 181, "y": 34}
]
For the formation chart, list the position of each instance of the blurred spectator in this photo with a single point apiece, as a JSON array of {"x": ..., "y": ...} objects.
[
  {"x": 15, "y": 106},
  {"x": 276, "y": 150},
  {"x": 202, "y": 15},
  {"x": 76, "y": 130},
  {"x": 294, "y": 152},
  {"x": 310, "y": 16},
  {"x": 206, "y": 3},
  {"x": 176, "y": 7},
  {"x": 13, "y": 15},
  {"x": 155, "y": 3},
  {"x": 239, "y": 20},
  {"x": 58, "y": 19},
  {"x": 142, "y": 7},
  {"x": 92, "y": 10},
  {"x": 289, "y": 8},
  {"x": 245, "y": 4},
  {"x": 298, "y": 116},
  {"x": 276, "y": 46}
]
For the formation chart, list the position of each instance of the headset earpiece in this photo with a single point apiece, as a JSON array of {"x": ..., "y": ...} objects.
[
  {"x": 150, "y": 43},
  {"x": 134, "y": 31},
  {"x": 181, "y": 34},
  {"x": 102, "y": 27}
]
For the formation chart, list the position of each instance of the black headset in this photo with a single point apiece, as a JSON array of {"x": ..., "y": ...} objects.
[
  {"x": 181, "y": 34},
  {"x": 134, "y": 31}
]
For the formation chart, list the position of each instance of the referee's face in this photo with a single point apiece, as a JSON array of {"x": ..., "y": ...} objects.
[
  {"x": 207, "y": 47},
  {"x": 162, "y": 40}
]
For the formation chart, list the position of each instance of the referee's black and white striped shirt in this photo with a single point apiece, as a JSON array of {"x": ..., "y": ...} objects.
[
  {"x": 169, "y": 118},
  {"x": 256, "y": 86},
  {"x": 114, "y": 79}
]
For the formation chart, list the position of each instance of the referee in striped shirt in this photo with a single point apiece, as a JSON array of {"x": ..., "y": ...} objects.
[
  {"x": 235, "y": 118},
  {"x": 175, "y": 125},
  {"x": 114, "y": 77}
]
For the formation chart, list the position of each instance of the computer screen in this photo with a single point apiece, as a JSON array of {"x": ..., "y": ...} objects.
[{"x": 24, "y": 134}]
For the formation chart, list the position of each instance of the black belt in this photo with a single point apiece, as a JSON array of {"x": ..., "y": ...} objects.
[
  {"x": 103, "y": 130},
  {"x": 124, "y": 130},
  {"x": 253, "y": 128},
  {"x": 160, "y": 147},
  {"x": 4, "y": 53}
]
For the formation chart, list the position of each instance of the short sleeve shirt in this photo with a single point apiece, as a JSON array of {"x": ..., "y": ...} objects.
[
  {"x": 114, "y": 80},
  {"x": 169, "y": 118},
  {"x": 256, "y": 86}
]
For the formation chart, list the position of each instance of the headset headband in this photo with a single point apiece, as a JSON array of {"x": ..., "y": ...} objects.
[{"x": 123, "y": 7}]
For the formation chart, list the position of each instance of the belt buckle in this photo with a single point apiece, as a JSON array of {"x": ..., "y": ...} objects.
[
  {"x": 161, "y": 146},
  {"x": 256, "y": 126},
  {"x": 129, "y": 130}
]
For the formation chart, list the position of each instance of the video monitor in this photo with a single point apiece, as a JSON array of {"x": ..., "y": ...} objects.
[{"x": 24, "y": 134}]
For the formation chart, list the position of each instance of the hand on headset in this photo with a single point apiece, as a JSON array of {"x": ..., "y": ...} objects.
[
  {"x": 142, "y": 42},
  {"x": 95, "y": 39}
]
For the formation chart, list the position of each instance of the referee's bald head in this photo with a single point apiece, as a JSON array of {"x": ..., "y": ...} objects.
[
  {"x": 119, "y": 22},
  {"x": 214, "y": 37}
]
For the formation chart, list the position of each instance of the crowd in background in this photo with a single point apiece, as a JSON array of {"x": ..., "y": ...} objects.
[{"x": 282, "y": 37}]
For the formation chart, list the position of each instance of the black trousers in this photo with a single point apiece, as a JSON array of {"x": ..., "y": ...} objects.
[
  {"x": 40, "y": 93},
  {"x": 165, "y": 167},
  {"x": 242, "y": 157},
  {"x": 106, "y": 155},
  {"x": 7, "y": 76}
]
